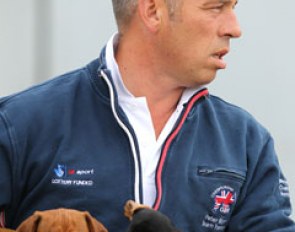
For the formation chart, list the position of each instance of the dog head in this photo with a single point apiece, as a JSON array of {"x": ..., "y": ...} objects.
[
  {"x": 61, "y": 220},
  {"x": 145, "y": 219}
]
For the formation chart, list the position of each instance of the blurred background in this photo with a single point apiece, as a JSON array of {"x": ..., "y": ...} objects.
[{"x": 40, "y": 39}]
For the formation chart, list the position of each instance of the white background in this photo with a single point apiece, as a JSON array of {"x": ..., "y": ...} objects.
[{"x": 40, "y": 39}]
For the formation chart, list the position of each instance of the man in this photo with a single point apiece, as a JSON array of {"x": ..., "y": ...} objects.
[{"x": 138, "y": 123}]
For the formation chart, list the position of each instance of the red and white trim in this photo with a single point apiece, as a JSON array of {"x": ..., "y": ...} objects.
[
  {"x": 168, "y": 143},
  {"x": 2, "y": 219}
]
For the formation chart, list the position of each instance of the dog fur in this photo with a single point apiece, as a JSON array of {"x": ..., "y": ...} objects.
[
  {"x": 142, "y": 219},
  {"x": 6, "y": 230},
  {"x": 145, "y": 219},
  {"x": 61, "y": 220}
]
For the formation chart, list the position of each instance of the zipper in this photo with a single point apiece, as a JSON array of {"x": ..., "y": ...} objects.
[
  {"x": 221, "y": 172},
  {"x": 168, "y": 142},
  {"x": 130, "y": 137}
]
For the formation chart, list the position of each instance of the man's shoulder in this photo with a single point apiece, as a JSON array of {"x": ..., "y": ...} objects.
[
  {"x": 233, "y": 115},
  {"x": 51, "y": 99},
  {"x": 228, "y": 108},
  {"x": 52, "y": 90}
]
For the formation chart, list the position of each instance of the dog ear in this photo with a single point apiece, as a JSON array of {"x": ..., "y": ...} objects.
[
  {"x": 93, "y": 224},
  {"x": 30, "y": 224}
]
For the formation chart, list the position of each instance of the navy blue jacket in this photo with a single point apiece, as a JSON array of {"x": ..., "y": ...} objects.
[{"x": 67, "y": 143}]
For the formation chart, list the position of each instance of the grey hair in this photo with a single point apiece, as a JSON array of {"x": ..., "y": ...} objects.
[{"x": 125, "y": 9}]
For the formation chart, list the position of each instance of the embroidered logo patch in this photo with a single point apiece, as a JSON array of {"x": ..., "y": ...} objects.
[
  {"x": 72, "y": 176},
  {"x": 284, "y": 188},
  {"x": 60, "y": 171},
  {"x": 224, "y": 197}
]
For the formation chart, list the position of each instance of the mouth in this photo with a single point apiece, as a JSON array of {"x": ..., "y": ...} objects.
[
  {"x": 218, "y": 56},
  {"x": 221, "y": 53}
]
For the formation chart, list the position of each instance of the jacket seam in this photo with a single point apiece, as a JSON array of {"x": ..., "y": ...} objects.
[{"x": 13, "y": 159}]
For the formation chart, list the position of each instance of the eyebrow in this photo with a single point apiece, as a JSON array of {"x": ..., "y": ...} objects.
[
  {"x": 226, "y": 1},
  {"x": 209, "y": 2}
]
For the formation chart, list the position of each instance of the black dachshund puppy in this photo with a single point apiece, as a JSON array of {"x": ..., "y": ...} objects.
[{"x": 145, "y": 219}]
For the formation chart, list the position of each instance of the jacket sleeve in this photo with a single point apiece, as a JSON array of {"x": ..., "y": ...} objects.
[
  {"x": 5, "y": 168},
  {"x": 264, "y": 205}
]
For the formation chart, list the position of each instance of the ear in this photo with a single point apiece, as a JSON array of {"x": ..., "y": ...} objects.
[
  {"x": 93, "y": 224},
  {"x": 151, "y": 13},
  {"x": 30, "y": 224},
  {"x": 131, "y": 207}
]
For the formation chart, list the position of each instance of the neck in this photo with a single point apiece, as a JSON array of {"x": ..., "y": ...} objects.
[{"x": 140, "y": 75}]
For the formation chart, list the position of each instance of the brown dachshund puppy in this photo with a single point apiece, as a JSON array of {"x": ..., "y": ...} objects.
[
  {"x": 145, "y": 219},
  {"x": 61, "y": 220}
]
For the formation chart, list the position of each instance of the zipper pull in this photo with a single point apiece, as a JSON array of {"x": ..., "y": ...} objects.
[{"x": 205, "y": 171}]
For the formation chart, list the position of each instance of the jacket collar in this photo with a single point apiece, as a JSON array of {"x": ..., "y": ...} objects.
[{"x": 96, "y": 68}]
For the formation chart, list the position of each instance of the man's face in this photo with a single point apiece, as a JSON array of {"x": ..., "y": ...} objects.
[{"x": 193, "y": 41}]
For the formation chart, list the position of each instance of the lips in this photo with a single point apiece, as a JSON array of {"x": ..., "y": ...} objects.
[
  {"x": 221, "y": 53},
  {"x": 218, "y": 57}
]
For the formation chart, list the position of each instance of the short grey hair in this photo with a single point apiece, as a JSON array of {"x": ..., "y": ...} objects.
[{"x": 125, "y": 9}]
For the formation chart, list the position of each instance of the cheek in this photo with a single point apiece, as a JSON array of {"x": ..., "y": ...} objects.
[{"x": 200, "y": 32}]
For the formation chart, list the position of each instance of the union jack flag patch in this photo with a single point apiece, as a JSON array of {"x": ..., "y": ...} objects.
[{"x": 224, "y": 197}]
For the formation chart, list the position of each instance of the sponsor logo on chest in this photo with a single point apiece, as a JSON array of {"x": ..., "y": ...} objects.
[{"x": 64, "y": 175}]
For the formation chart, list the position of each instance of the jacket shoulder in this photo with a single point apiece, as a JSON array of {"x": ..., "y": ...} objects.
[
  {"x": 230, "y": 108},
  {"x": 48, "y": 89},
  {"x": 235, "y": 118}
]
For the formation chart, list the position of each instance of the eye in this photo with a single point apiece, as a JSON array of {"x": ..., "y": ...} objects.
[{"x": 217, "y": 8}]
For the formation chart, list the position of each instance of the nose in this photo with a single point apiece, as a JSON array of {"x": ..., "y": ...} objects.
[{"x": 230, "y": 26}]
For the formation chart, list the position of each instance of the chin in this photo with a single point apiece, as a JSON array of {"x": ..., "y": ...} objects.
[{"x": 205, "y": 80}]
